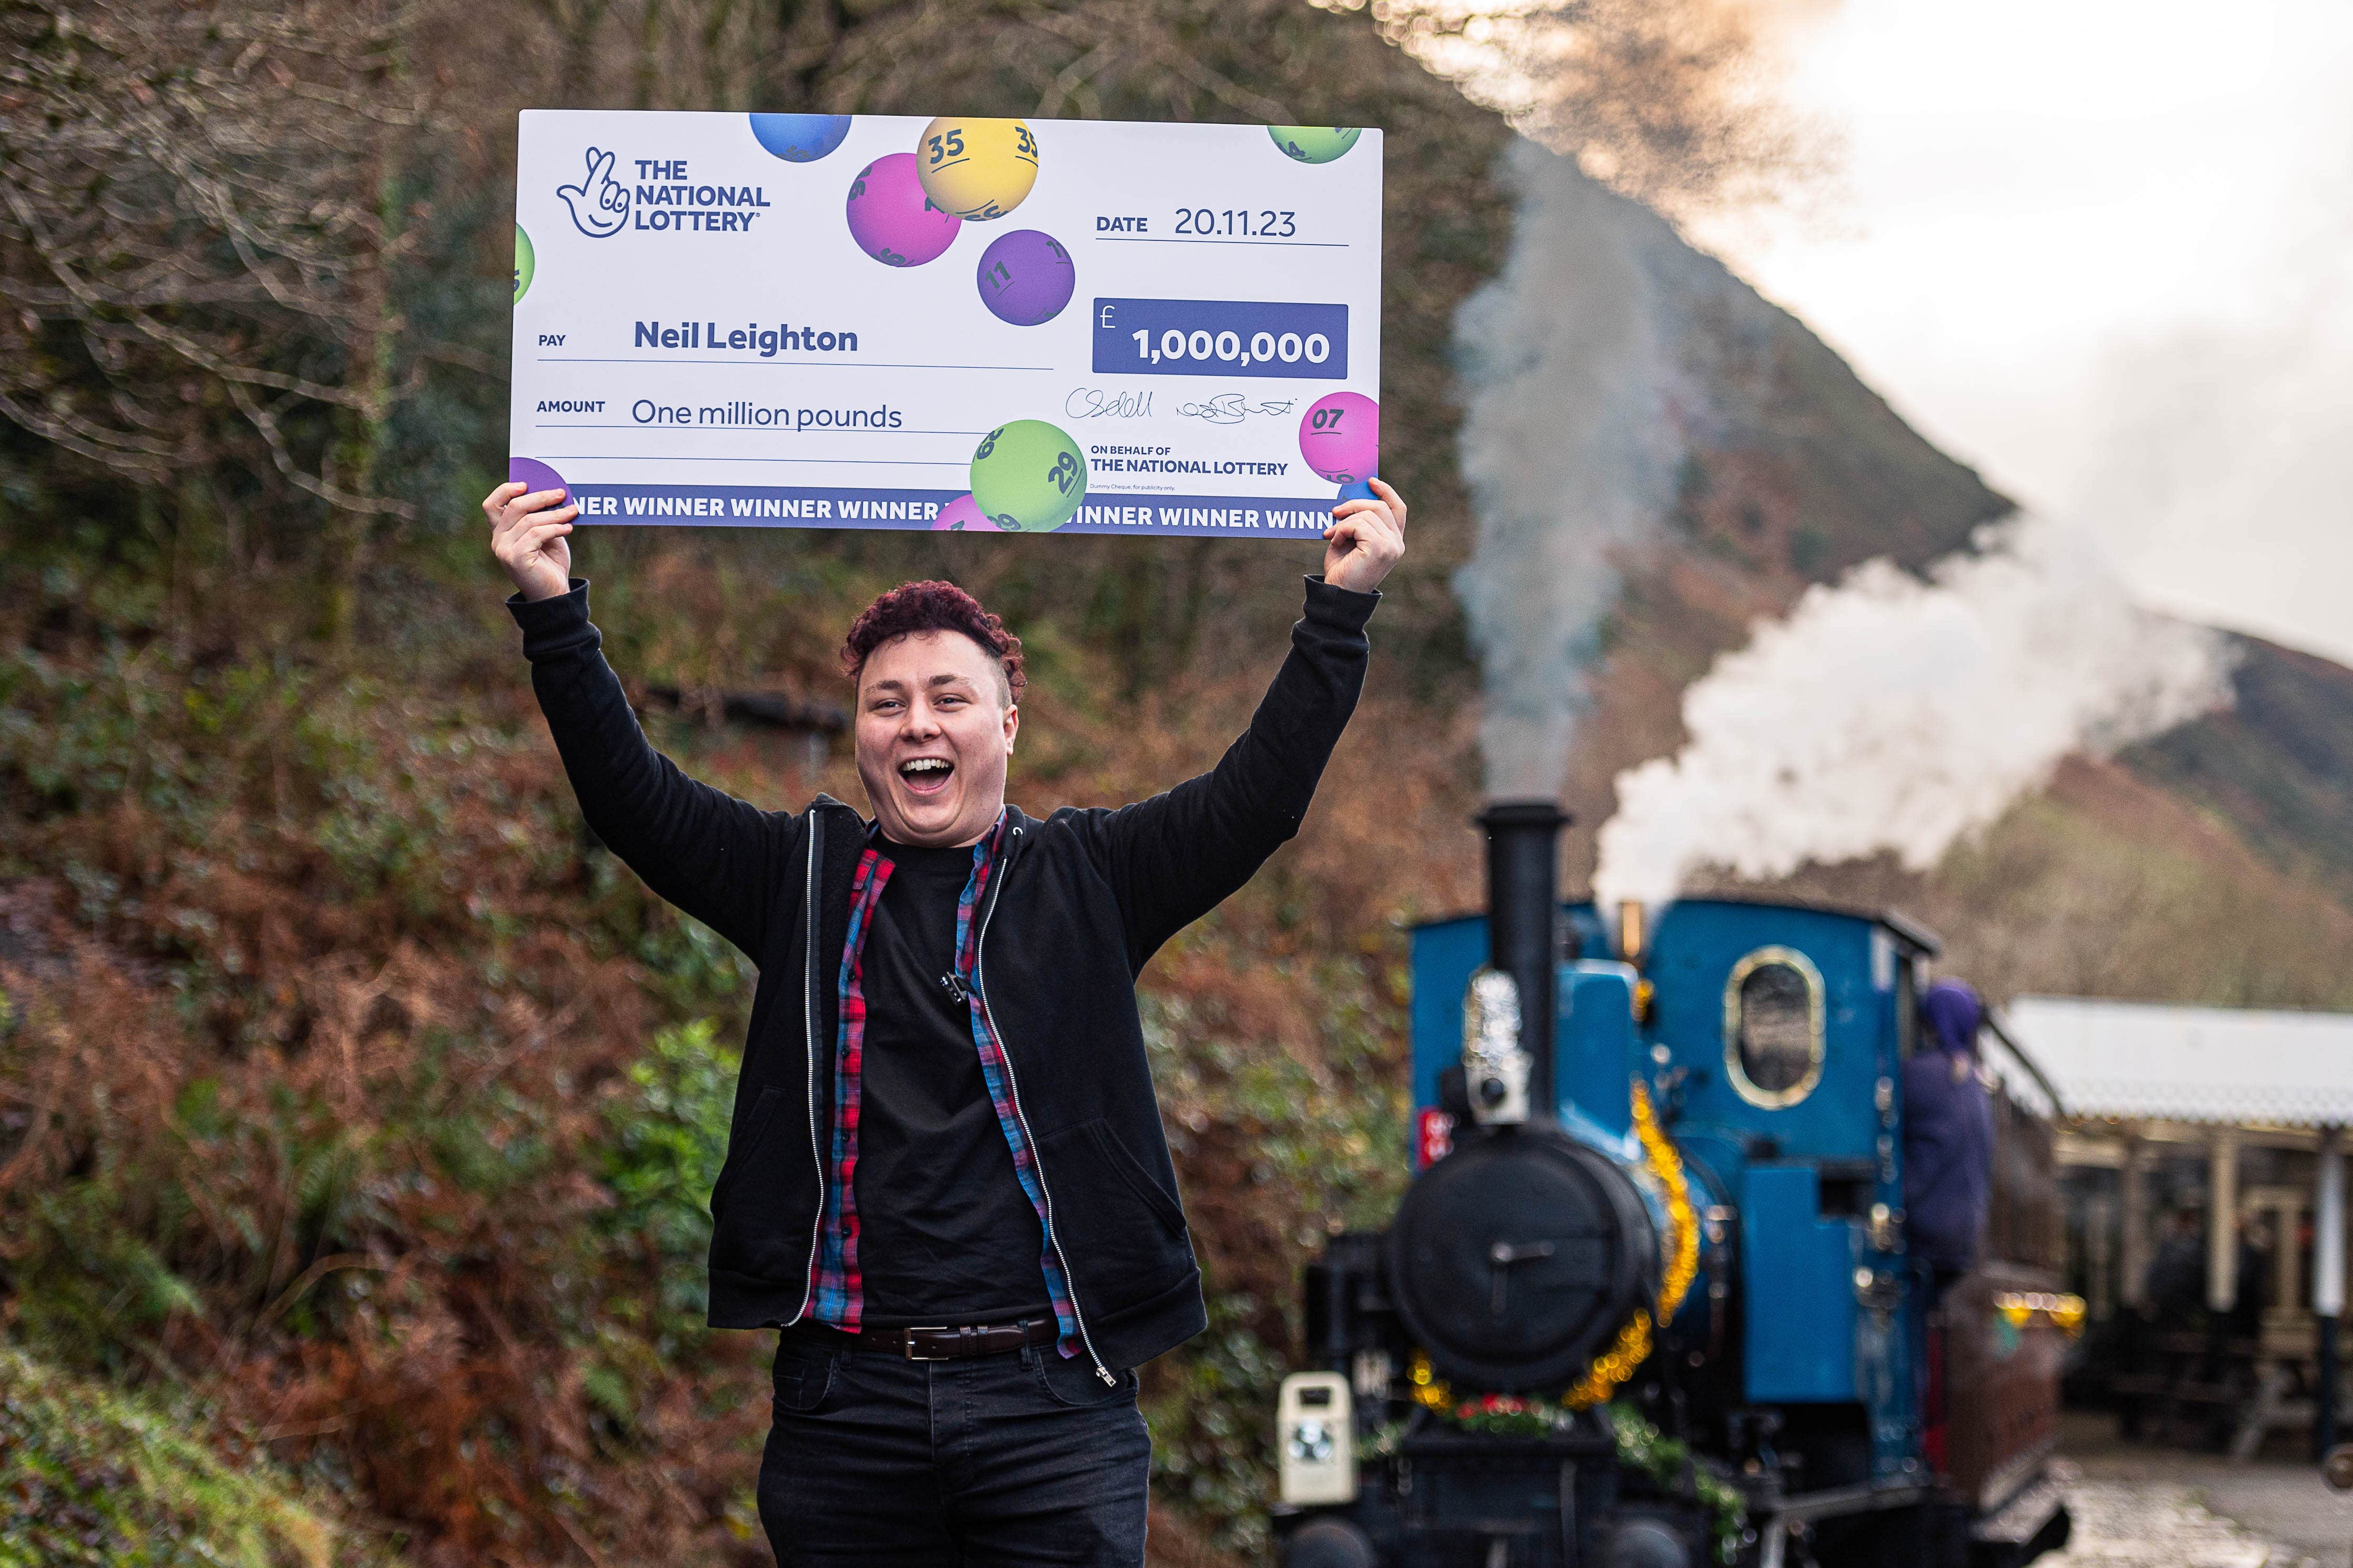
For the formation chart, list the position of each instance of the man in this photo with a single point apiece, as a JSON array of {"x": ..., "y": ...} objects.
[
  {"x": 1948, "y": 1137},
  {"x": 2173, "y": 1298},
  {"x": 946, "y": 1180},
  {"x": 1947, "y": 1171},
  {"x": 2174, "y": 1288}
]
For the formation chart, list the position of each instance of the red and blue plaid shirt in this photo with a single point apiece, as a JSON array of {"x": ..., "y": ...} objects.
[{"x": 838, "y": 1295}]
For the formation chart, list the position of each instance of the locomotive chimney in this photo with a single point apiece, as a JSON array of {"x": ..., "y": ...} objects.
[{"x": 1523, "y": 926}]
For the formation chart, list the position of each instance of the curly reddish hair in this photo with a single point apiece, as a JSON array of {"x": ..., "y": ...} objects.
[{"x": 930, "y": 607}]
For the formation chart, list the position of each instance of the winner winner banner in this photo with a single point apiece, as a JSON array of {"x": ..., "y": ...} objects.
[{"x": 992, "y": 325}]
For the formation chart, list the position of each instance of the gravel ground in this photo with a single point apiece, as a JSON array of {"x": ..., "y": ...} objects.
[
  {"x": 2146, "y": 1524},
  {"x": 2139, "y": 1507}
]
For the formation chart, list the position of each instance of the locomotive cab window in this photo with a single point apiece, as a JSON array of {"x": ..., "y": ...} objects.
[{"x": 1773, "y": 1027}]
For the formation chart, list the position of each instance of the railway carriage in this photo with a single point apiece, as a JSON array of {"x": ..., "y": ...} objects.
[{"x": 1647, "y": 1301}]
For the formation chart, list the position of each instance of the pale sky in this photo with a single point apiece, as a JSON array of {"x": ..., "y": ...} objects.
[{"x": 2104, "y": 251}]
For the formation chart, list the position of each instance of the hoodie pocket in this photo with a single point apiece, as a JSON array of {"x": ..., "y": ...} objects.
[
  {"x": 1121, "y": 1235},
  {"x": 742, "y": 1152},
  {"x": 764, "y": 1207}
]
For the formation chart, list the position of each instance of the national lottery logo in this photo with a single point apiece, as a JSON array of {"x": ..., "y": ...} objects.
[{"x": 599, "y": 203}]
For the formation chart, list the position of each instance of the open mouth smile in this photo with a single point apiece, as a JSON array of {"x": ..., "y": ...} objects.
[{"x": 925, "y": 775}]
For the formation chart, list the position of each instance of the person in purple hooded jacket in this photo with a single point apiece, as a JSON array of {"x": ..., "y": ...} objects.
[{"x": 1948, "y": 1137}]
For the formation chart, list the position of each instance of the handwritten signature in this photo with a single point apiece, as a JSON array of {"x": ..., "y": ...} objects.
[
  {"x": 1092, "y": 402},
  {"x": 1231, "y": 408}
]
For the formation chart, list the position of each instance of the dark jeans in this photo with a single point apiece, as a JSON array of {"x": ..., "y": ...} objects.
[{"x": 1015, "y": 1458}]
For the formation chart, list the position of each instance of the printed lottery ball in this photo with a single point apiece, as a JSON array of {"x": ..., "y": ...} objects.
[
  {"x": 1315, "y": 143},
  {"x": 526, "y": 263},
  {"x": 800, "y": 137},
  {"x": 1359, "y": 490},
  {"x": 962, "y": 515},
  {"x": 976, "y": 168},
  {"x": 536, "y": 474},
  {"x": 1341, "y": 436},
  {"x": 1026, "y": 277},
  {"x": 891, "y": 219},
  {"x": 1028, "y": 477}
]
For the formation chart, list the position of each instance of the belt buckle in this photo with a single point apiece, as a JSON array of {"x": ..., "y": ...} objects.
[{"x": 907, "y": 1340}]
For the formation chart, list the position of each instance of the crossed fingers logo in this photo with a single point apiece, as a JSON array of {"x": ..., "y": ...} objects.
[{"x": 599, "y": 203}]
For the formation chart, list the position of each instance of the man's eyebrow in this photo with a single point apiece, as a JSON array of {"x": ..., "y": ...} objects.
[{"x": 894, "y": 685}]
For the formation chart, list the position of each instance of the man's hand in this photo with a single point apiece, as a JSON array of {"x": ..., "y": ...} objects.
[
  {"x": 1365, "y": 540},
  {"x": 527, "y": 536}
]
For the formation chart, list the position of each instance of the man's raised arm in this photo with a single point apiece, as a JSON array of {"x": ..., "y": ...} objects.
[
  {"x": 1177, "y": 856},
  {"x": 705, "y": 851}
]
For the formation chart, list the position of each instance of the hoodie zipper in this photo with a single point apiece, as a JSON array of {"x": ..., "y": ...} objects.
[
  {"x": 808, "y": 1031},
  {"x": 1013, "y": 1082}
]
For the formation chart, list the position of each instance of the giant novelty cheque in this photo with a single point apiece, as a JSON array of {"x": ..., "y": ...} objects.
[{"x": 964, "y": 324}]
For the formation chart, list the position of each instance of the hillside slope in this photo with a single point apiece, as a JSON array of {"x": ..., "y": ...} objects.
[
  {"x": 343, "y": 1081},
  {"x": 96, "y": 1481},
  {"x": 2278, "y": 766},
  {"x": 1796, "y": 471}
]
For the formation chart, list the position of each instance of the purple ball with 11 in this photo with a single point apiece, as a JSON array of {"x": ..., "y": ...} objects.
[{"x": 1026, "y": 277}]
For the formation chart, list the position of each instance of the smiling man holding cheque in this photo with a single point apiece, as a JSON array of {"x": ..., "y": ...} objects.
[{"x": 946, "y": 1182}]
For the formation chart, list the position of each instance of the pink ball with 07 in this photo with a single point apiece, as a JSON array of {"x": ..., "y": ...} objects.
[{"x": 1341, "y": 436}]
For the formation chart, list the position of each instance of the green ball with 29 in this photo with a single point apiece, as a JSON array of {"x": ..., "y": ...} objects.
[{"x": 1028, "y": 477}]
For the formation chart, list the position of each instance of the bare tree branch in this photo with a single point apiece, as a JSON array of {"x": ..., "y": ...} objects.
[
  {"x": 1673, "y": 102},
  {"x": 190, "y": 215}
]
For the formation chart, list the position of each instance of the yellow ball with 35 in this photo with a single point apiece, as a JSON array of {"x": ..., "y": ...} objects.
[{"x": 976, "y": 168}]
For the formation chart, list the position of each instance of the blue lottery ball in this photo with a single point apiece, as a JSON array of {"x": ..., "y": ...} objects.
[
  {"x": 1359, "y": 490},
  {"x": 800, "y": 137}
]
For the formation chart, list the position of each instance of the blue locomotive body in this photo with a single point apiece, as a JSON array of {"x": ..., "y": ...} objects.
[
  {"x": 1739, "y": 1076},
  {"x": 1804, "y": 1165}
]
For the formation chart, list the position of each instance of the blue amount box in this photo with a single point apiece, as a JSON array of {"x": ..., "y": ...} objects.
[{"x": 1221, "y": 337}]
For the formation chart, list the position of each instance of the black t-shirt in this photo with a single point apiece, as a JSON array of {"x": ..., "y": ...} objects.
[{"x": 946, "y": 1233}]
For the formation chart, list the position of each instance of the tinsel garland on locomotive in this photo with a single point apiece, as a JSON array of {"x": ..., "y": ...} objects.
[{"x": 1647, "y": 1302}]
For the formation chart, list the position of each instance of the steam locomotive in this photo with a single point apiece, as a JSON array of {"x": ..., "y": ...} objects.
[{"x": 1647, "y": 1302}]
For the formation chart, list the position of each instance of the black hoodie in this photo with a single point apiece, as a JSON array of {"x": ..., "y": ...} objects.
[{"x": 1085, "y": 898}]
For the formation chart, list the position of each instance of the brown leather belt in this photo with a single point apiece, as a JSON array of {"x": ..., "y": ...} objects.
[{"x": 932, "y": 1343}]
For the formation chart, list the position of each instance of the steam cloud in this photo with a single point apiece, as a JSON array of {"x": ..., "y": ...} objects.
[
  {"x": 1568, "y": 449},
  {"x": 1887, "y": 714}
]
